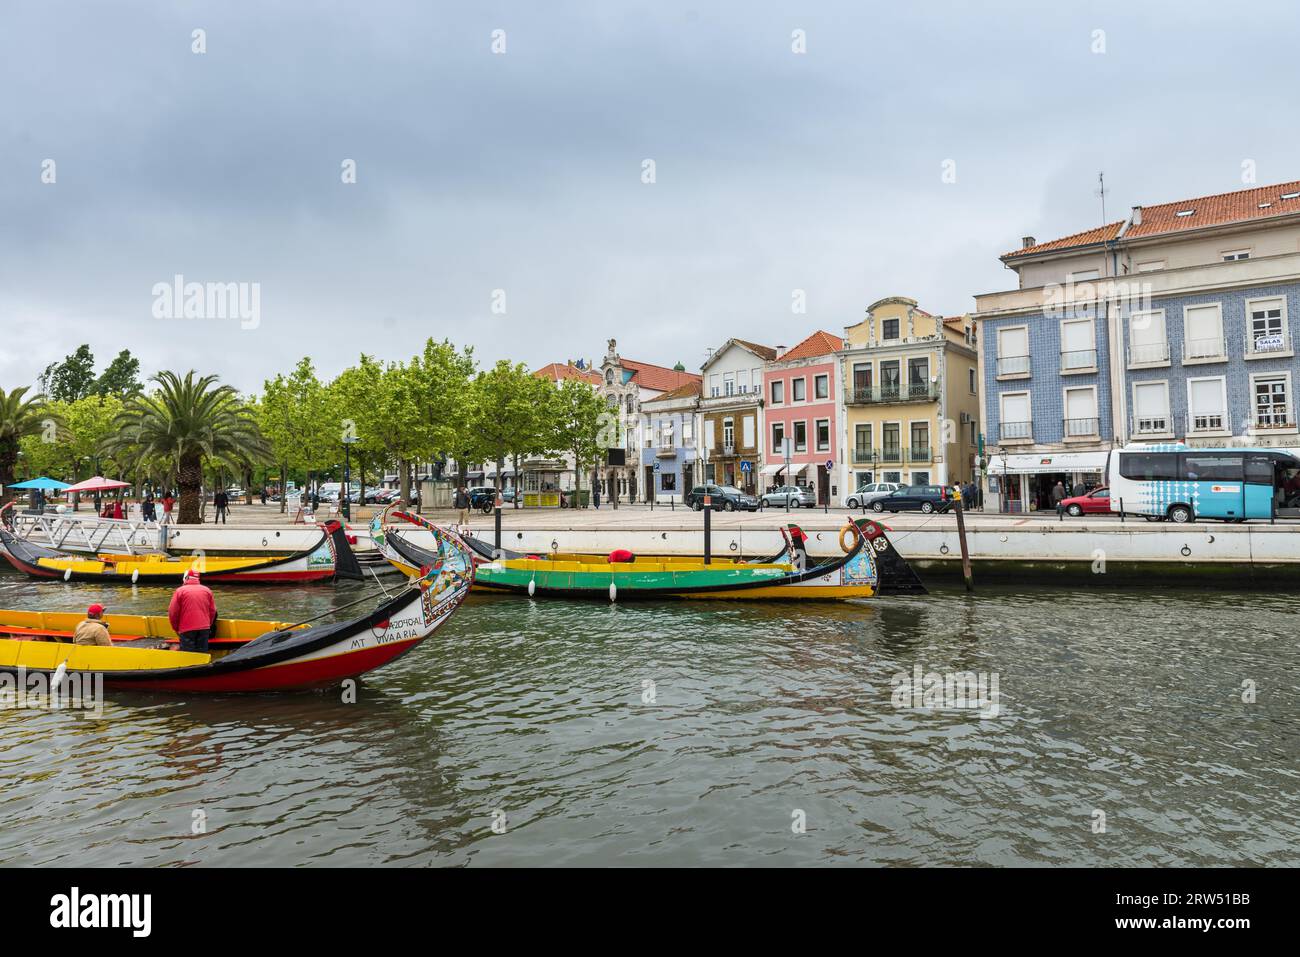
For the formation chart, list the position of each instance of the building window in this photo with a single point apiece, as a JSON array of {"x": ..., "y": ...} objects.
[
  {"x": 1015, "y": 422},
  {"x": 667, "y": 481},
  {"x": 798, "y": 390},
  {"x": 1272, "y": 408},
  {"x": 1203, "y": 330},
  {"x": 1151, "y": 408},
  {"x": 920, "y": 478},
  {"x": 920, "y": 448},
  {"x": 918, "y": 377},
  {"x": 1147, "y": 343},
  {"x": 888, "y": 329},
  {"x": 1207, "y": 405},
  {"x": 728, "y": 435},
  {"x": 1081, "y": 412},
  {"x": 778, "y": 391},
  {"x": 729, "y": 383},
  {"x": 891, "y": 442},
  {"x": 862, "y": 443},
  {"x": 862, "y": 381},
  {"x": 714, "y": 388},
  {"x": 1267, "y": 325},
  {"x": 821, "y": 387},
  {"x": 800, "y": 436},
  {"x": 778, "y": 438},
  {"x": 970, "y": 374},
  {"x": 1232, "y": 255},
  {"x": 1013, "y": 351},
  {"x": 1078, "y": 346},
  {"x": 823, "y": 427},
  {"x": 890, "y": 379}
]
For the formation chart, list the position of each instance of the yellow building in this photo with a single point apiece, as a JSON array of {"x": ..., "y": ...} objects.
[{"x": 910, "y": 397}]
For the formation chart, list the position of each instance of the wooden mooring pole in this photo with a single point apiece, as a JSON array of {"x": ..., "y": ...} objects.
[{"x": 961, "y": 536}]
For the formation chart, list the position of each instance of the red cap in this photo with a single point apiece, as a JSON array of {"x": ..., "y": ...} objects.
[
  {"x": 94, "y": 611},
  {"x": 191, "y": 575}
]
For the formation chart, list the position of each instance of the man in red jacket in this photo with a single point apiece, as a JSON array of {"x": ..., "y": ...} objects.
[{"x": 192, "y": 613}]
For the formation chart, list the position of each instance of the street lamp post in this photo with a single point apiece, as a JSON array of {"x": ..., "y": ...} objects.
[{"x": 348, "y": 441}]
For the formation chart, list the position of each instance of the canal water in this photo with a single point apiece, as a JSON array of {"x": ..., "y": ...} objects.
[{"x": 700, "y": 734}]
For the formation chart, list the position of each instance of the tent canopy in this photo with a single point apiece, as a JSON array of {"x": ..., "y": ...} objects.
[
  {"x": 47, "y": 484},
  {"x": 97, "y": 484},
  {"x": 1048, "y": 462}
]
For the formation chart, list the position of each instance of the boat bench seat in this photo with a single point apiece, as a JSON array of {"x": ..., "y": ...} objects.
[{"x": 45, "y": 655}]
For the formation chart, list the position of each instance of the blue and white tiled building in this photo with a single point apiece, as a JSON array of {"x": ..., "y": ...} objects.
[{"x": 1176, "y": 324}]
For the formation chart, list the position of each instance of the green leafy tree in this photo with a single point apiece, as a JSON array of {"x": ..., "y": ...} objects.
[
  {"x": 295, "y": 417},
  {"x": 22, "y": 417},
  {"x": 71, "y": 379},
  {"x": 435, "y": 387},
  {"x": 122, "y": 377},
  {"x": 193, "y": 422},
  {"x": 511, "y": 415},
  {"x": 580, "y": 424}
]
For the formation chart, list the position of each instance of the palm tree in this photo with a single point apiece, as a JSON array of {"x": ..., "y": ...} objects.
[
  {"x": 19, "y": 418},
  {"x": 189, "y": 421}
]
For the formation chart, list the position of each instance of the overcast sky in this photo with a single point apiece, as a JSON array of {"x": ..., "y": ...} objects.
[{"x": 522, "y": 171}]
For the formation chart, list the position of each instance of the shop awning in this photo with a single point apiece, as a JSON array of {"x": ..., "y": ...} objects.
[
  {"x": 796, "y": 469},
  {"x": 770, "y": 469},
  {"x": 1048, "y": 462}
]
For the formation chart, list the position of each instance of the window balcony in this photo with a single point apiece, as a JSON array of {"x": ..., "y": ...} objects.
[
  {"x": 912, "y": 392},
  {"x": 1262, "y": 345},
  {"x": 1274, "y": 422},
  {"x": 1018, "y": 366},
  {"x": 1149, "y": 354},
  {"x": 1206, "y": 422},
  {"x": 1151, "y": 425},
  {"x": 863, "y": 455},
  {"x": 1078, "y": 360},
  {"x": 1214, "y": 349},
  {"x": 1016, "y": 432},
  {"x": 1085, "y": 428},
  {"x": 920, "y": 453},
  {"x": 892, "y": 455}
]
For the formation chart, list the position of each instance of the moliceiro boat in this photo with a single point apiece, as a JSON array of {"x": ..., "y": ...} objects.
[
  {"x": 285, "y": 658},
  {"x": 786, "y": 576},
  {"x": 327, "y": 557}
]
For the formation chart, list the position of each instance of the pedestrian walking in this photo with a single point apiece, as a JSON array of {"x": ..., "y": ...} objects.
[{"x": 1058, "y": 496}]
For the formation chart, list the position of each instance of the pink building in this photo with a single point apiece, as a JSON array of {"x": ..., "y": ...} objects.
[{"x": 801, "y": 391}]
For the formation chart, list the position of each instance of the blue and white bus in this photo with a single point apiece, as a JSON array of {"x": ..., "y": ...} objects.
[{"x": 1182, "y": 484}]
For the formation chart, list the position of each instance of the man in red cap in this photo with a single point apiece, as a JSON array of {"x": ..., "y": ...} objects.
[
  {"x": 192, "y": 613},
  {"x": 93, "y": 631}
]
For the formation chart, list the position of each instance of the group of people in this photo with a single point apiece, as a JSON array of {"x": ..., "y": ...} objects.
[{"x": 192, "y": 615}]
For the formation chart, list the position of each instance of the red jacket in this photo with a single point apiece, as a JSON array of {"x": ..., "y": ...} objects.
[{"x": 192, "y": 608}]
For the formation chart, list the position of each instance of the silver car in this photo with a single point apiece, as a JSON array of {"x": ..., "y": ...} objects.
[
  {"x": 869, "y": 493},
  {"x": 798, "y": 497}
]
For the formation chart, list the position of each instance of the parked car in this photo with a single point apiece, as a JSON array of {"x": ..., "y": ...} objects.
[
  {"x": 869, "y": 493},
  {"x": 794, "y": 494},
  {"x": 727, "y": 498},
  {"x": 914, "y": 498},
  {"x": 234, "y": 492},
  {"x": 1096, "y": 502},
  {"x": 482, "y": 497}
]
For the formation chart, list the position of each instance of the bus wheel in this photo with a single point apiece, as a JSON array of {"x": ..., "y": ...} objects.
[
  {"x": 1154, "y": 518},
  {"x": 1180, "y": 514}
]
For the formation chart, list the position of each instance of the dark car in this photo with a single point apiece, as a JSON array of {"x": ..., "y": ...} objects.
[
  {"x": 724, "y": 497},
  {"x": 914, "y": 498}
]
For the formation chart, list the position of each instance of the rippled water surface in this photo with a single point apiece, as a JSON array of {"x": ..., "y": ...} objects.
[{"x": 758, "y": 717}]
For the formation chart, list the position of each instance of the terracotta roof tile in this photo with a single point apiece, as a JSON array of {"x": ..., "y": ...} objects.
[
  {"x": 659, "y": 378},
  {"x": 557, "y": 371},
  {"x": 1242, "y": 205},
  {"x": 818, "y": 344},
  {"x": 1088, "y": 237},
  {"x": 764, "y": 352},
  {"x": 687, "y": 390}
]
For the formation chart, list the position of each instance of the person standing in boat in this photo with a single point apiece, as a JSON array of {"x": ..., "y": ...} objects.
[
  {"x": 193, "y": 613},
  {"x": 93, "y": 631}
]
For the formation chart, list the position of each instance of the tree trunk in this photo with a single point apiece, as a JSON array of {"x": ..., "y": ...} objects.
[
  {"x": 519, "y": 488},
  {"x": 404, "y": 481},
  {"x": 577, "y": 479},
  {"x": 8, "y": 461},
  {"x": 248, "y": 486},
  {"x": 284, "y": 487},
  {"x": 190, "y": 481}
]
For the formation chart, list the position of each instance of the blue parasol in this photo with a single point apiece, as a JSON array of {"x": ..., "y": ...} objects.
[{"x": 46, "y": 484}]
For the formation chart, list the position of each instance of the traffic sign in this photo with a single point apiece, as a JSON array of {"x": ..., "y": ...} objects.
[
  {"x": 747, "y": 466},
  {"x": 830, "y": 464},
  {"x": 656, "y": 466}
]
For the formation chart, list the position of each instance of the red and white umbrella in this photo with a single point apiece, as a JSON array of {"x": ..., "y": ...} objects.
[{"x": 97, "y": 484}]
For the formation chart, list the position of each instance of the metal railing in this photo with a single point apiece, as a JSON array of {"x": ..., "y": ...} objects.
[
  {"x": 1012, "y": 431},
  {"x": 920, "y": 453},
  {"x": 1076, "y": 428},
  {"x": 1150, "y": 425},
  {"x": 912, "y": 392},
  {"x": 1148, "y": 353},
  {"x": 1265, "y": 343},
  {"x": 1210, "y": 422},
  {"x": 891, "y": 454},
  {"x": 1078, "y": 359},
  {"x": 863, "y": 455},
  {"x": 1212, "y": 348},
  {"x": 1013, "y": 365}
]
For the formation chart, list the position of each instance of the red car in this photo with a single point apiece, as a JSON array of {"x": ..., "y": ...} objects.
[{"x": 1096, "y": 502}]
